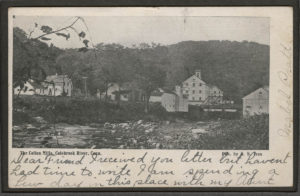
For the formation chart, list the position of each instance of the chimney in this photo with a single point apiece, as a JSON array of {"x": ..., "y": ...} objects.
[{"x": 198, "y": 73}]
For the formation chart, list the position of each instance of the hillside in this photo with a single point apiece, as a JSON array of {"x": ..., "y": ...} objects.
[{"x": 235, "y": 67}]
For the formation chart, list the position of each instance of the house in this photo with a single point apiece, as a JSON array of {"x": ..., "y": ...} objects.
[
  {"x": 57, "y": 85},
  {"x": 127, "y": 91},
  {"x": 182, "y": 104},
  {"x": 54, "y": 85},
  {"x": 30, "y": 88},
  {"x": 256, "y": 102},
  {"x": 201, "y": 93},
  {"x": 112, "y": 92},
  {"x": 168, "y": 101},
  {"x": 156, "y": 96},
  {"x": 171, "y": 101}
]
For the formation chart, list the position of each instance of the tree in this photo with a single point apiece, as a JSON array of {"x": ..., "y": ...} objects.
[
  {"x": 114, "y": 64},
  {"x": 149, "y": 79},
  {"x": 33, "y": 58}
]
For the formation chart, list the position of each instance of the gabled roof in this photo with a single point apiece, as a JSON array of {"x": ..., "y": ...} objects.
[
  {"x": 252, "y": 94},
  {"x": 266, "y": 88},
  {"x": 169, "y": 91},
  {"x": 35, "y": 84},
  {"x": 160, "y": 91},
  {"x": 157, "y": 93},
  {"x": 194, "y": 76}
]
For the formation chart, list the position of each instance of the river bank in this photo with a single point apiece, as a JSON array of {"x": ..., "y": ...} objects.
[{"x": 249, "y": 133}]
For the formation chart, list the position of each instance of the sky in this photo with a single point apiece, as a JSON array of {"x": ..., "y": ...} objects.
[{"x": 129, "y": 30}]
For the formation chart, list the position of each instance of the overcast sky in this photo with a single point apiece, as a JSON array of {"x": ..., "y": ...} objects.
[{"x": 165, "y": 30}]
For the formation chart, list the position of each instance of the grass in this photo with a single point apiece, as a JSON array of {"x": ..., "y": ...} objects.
[
  {"x": 81, "y": 111},
  {"x": 243, "y": 134}
]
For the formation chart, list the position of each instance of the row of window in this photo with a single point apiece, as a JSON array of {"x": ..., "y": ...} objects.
[
  {"x": 193, "y": 84},
  {"x": 193, "y": 91}
]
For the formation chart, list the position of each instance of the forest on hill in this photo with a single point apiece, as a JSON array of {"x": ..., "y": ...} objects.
[{"x": 237, "y": 68}]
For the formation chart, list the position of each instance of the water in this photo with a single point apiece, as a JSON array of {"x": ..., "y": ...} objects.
[{"x": 130, "y": 135}]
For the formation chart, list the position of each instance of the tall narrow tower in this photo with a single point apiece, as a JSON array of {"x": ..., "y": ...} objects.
[{"x": 198, "y": 73}]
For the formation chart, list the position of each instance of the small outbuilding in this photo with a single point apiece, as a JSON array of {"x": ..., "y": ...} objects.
[{"x": 256, "y": 102}]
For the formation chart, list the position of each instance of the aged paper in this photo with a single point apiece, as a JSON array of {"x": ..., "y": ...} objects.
[{"x": 84, "y": 152}]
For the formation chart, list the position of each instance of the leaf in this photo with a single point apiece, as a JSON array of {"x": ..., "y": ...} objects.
[
  {"x": 82, "y": 34},
  {"x": 67, "y": 36},
  {"x": 86, "y": 42},
  {"x": 83, "y": 49},
  {"x": 46, "y": 29},
  {"x": 45, "y": 38}
]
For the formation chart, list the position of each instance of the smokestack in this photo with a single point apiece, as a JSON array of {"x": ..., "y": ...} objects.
[{"x": 198, "y": 73}]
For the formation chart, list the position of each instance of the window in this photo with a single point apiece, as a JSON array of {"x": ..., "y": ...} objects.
[
  {"x": 260, "y": 92},
  {"x": 193, "y": 84},
  {"x": 193, "y": 98},
  {"x": 199, "y": 98},
  {"x": 193, "y": 91},
  {"x": 125, "y": 96},
  {"x": 199, "y": 91},
  {"x": 215, "y": 92},
  {"x": 186, "y": 91},
  {"x": 186, "y": 84},
  {"x": 200, "y": 84}
]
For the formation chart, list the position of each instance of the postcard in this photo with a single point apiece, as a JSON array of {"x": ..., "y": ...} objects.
[{"x": 150, "y": 97}]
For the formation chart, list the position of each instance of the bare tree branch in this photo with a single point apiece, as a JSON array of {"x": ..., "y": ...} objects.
[{"x": 64, "y": 28}]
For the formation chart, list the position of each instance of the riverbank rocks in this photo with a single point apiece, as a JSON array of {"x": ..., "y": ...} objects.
[
  {"x": 39, "y": 119},
  {"x": 111, "y": 135},
  {"x": 198, "y": 130},
  {"x": 30, "y": 127},
  {"x": 17, "y": 128}
]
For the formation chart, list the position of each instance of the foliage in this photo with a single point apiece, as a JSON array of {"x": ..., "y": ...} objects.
[
  {"x": 150, "y": 78},
  {"x": 38, "y": 56},
  {"x": 83, "y": 111},
  {"x": 242, "y": 134},
  {"x": 237, "y": 68},
  {"x": 32, "y": 59}
]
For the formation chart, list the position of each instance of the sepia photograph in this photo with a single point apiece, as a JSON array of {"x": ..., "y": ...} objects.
[{"x": 141, "y": 82}]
